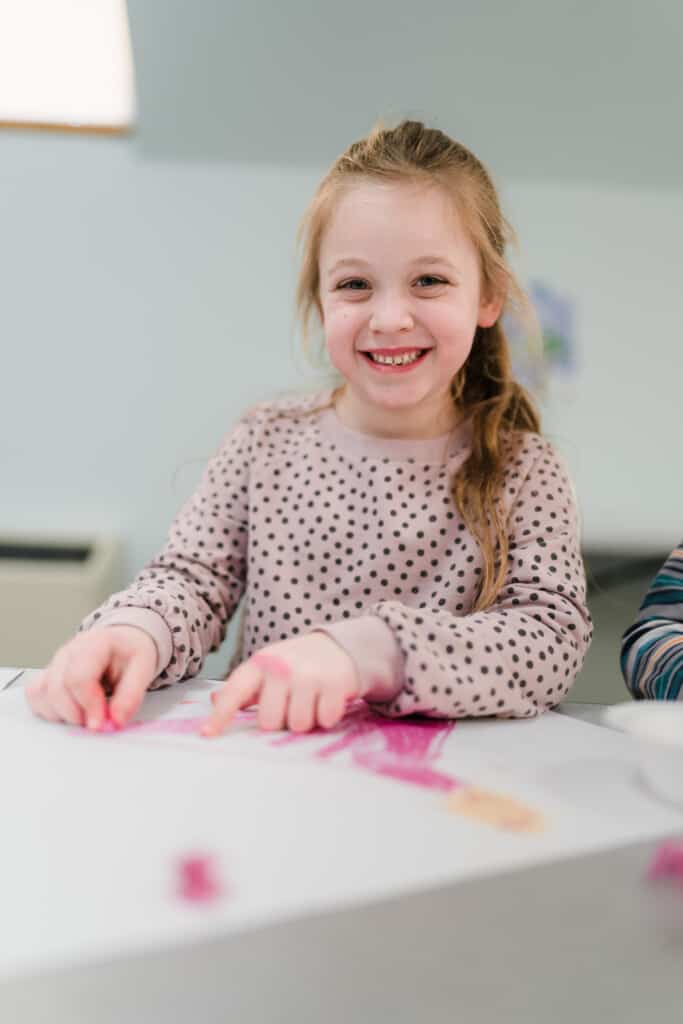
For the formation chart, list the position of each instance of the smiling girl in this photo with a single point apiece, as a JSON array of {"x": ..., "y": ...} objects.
[{"x": 408, "y": 537}]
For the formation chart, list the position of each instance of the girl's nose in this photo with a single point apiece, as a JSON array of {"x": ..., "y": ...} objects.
[{"x": 391, "y": 316}]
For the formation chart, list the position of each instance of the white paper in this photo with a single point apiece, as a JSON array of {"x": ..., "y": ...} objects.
[{"x": 94, "y": 825}]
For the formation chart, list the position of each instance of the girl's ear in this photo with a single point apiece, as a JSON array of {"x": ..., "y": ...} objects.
[{"x": 489, "y": 310}]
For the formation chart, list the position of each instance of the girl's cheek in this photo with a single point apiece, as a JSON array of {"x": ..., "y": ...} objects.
[
  {"x": 341, "y": 329},
  {"x": 340, "y": 316},
  {"x": 338, "y": 353}
]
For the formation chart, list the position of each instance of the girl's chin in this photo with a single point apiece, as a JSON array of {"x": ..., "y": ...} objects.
[
  {"x": 406, "y": 402},
  {"x": 394, "y": 396}
]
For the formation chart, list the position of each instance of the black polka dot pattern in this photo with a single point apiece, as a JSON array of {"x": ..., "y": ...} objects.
[{"x": 320, "y": 526}]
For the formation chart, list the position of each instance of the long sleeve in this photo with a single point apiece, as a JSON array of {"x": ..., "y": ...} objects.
[
  {"x": 185, "y": 596},
  {"x": 652, "y": 648},
  {"x": 516, "y": 658}
]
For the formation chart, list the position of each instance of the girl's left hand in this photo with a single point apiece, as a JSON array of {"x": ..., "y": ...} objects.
[{"x": 300, "y": 683}]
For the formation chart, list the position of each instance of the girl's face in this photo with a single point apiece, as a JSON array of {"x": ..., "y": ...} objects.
[{"x": 400, "y": 296}]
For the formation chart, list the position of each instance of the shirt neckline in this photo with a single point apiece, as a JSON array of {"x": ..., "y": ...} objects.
[{"x": 431, "y": 450}]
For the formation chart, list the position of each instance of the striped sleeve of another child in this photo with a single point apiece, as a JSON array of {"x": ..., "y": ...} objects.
[{"x": 652, "y": 648}]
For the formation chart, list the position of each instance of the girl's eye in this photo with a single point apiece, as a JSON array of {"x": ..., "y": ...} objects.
[
  {"x": 353, "y": 284},
  {"x": 429, "y": 281}
]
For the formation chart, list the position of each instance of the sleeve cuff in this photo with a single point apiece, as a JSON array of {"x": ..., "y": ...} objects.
[
  {"x": 371, "y": 644},
  {"x": 151, "y": 622}
]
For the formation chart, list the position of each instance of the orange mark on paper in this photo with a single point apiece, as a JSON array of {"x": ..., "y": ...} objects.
[{"x": 495, "y": 809}]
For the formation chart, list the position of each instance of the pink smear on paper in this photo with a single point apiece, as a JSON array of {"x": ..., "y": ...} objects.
[
  {"x": 168, "y": 726},
  {"x": 667, "y": 861},
  {"x": 163, "y": 726},
  {"x": 403, "y": 749},
  {"x": 180, "y": 726},
  {"x": 198, "y": 880}
]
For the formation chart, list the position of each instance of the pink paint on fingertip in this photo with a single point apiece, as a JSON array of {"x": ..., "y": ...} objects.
[
  {"x": 667, "y": 861},
  {"x": 198, "y": 879},
  {"x": 272, "y": 663}
]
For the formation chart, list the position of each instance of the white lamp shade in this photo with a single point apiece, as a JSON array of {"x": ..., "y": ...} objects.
[{"x": 66, "y": 63}]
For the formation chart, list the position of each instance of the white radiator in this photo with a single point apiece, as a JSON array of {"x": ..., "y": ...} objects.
[{"x": 47, "y": 586}]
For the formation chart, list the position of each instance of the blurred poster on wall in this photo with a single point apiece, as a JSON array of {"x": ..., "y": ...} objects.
[{"x": 545, "y": 353}]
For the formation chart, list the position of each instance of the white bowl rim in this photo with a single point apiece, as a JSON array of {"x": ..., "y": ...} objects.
[{"x": 657, "y": 721}]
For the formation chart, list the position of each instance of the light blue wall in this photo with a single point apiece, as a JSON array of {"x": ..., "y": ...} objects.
[
  {"x": 617, "y": 253},
  {"x": 143, "y": 306}
]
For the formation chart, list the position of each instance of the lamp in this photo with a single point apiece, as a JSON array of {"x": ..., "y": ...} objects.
[{"x": 66, "y": 65}]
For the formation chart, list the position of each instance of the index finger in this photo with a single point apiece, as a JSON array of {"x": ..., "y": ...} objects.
[
  {"x": 83, "y": 680},
  {"x": 239, "y": 689},
  {"x": 130, "y": 689}
]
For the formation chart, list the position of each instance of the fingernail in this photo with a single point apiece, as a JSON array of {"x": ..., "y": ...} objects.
[{"x": 93, "y": 722}]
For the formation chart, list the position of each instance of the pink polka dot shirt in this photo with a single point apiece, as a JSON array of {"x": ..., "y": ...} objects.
[{"x": 320, "y": 527}]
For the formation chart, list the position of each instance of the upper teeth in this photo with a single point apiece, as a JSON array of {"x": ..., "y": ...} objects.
[{"x": 408, "y": 357}]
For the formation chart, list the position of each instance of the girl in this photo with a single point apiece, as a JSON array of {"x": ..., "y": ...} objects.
[
  {"x": 652, "y": 649},
  {"x": 407, "y": 537}
]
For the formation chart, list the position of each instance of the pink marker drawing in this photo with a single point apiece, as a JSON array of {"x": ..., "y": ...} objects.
[
  {"x": 400, "y": 748},
  {"x": 405, "y": 749}
]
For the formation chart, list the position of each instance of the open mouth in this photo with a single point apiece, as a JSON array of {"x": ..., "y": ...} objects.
[{"x": 395, "y": 359}]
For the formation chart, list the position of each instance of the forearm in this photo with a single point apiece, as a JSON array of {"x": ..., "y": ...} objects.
[
  {"x": 185, "y": 597},
  {"x": 652, "y": 659},
  {"x": 508, "y": 662},
  {"x": 185, "y": 612},
  {"x": 652, "y": 649}
]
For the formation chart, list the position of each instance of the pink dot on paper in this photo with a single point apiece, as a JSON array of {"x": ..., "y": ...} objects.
[
  {"x": 198, "y": 879},
  {"x": 667, "y": 861}
]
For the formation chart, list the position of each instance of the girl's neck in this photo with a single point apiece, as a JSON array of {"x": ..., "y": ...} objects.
[{"x": 421, "y": 423}]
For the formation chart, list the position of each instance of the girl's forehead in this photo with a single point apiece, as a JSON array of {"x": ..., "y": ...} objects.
[
  {"x": 402, "y": 213},
  {"x": 408, "y": 199}
]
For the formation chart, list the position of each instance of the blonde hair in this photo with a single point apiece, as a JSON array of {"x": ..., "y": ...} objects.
[{"x": 484, "y": 389}]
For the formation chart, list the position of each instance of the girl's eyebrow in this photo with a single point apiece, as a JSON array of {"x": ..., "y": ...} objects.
[
  {"x": 431, "y": 260},
  {"x": 423, "y": 261},
  {"x": 347, "y": 261}
]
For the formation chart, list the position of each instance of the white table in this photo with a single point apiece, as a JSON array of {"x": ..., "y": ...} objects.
[{"x": 581, "y": 939}]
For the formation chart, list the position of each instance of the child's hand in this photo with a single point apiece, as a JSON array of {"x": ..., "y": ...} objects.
[
  {"x": 70, "y": 689},
  {"x": 298, "y": 683}
]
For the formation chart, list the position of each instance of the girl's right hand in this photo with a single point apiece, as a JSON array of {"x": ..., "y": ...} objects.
[{"x": 72, "y": 686}]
